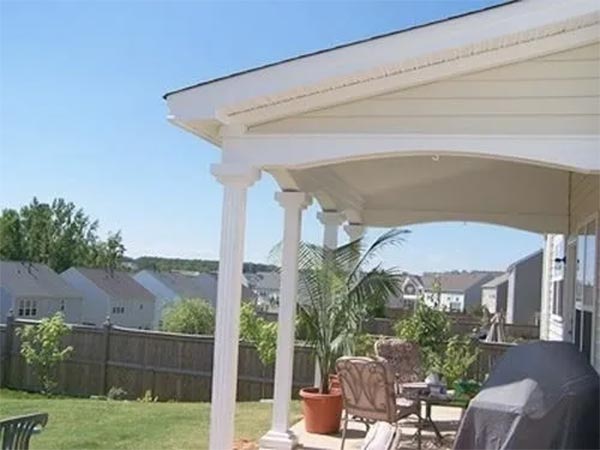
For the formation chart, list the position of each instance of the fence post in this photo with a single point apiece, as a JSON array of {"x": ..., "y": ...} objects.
[
  {"x": 7, "y": 350},
  {"x": 105, "y": 355}
]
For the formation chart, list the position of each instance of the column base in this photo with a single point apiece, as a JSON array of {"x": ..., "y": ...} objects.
[{"x": 277, "y": 440}]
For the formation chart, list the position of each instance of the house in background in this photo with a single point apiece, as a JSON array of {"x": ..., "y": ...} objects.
[
  {"x": 517, "y": 292},
  {"x": 523, "y": 297},
  {"x": 112, "y": 294},
  {"x": 265, "y": 288},
  {"x": 168, "y": 287},
  {"x": 494, "y": 293},
  {"x": 411, "y": 288},
  {"x": 34, "y": 291},
  {"x": 457, "y": 291}
]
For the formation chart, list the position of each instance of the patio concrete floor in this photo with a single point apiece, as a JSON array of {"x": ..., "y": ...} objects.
[{"x": 447, "y": 420}]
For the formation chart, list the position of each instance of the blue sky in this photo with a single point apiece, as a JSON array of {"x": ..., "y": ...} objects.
[{"x": 81, "y": 117}]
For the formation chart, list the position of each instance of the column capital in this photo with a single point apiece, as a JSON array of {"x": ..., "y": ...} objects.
[
  {"x": 354, "y": 230},
  {"x": 293, "y": 199},
  {"x": 328, "y": 217},
  {"x": 235, "y": 174}
]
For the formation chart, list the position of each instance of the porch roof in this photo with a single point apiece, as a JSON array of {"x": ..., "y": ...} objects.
[{"x": 485, "y": 124}]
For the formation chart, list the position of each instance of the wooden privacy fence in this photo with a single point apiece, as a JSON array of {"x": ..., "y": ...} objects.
[
  {"x": 170, "y": 366},
  {"x": 458, "y": 325}
]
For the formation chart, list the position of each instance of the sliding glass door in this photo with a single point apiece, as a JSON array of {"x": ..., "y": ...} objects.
[{"x": 585, "y": 288}]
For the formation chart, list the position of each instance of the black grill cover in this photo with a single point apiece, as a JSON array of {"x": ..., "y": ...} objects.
[{"x": 541, "y": 395}]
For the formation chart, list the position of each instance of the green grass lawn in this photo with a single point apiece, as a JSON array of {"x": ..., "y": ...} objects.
[{"x": 96, "y": 424}]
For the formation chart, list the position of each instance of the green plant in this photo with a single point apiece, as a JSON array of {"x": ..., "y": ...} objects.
[
  {"x": 458, "y": 358},
  {"x": 116, "y": 393},
  {"x": 336, "y": 289},
  {"x": 190, "y": 316},
  {"x": 430, "y": 328},
  {"x": 41, "y": 346},
  {"x": 260, "y": 332},
  {"x": 148, "y": 398},
  {"x": 364, "y": 344}
]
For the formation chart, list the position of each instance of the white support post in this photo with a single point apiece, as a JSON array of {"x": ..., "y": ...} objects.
[
  {"x": 236, "y": 180},
  {"x": 280, "y": 436},
  {"x": 331, "y": 221},
  {"x": 354, "y": 231}
]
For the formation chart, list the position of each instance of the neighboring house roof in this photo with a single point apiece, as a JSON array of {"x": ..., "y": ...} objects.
[
  {"x": 202, "y": 285},
  {"x": 495, "y": 282},
  {"x": 456, "y": 282},
  {"x": 24, "y": 279},
  {"x": 116, "y": 284},
  {"x": 264, "y": 280},
  {"x": 524, "y": 259}
]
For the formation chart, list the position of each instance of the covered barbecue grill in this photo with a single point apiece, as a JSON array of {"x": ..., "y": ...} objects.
[{"x": 542, "y": 395}]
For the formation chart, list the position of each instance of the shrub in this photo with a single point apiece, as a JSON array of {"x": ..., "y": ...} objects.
[
  {"x": 116, "y": 393},
  {"x": 42, "y": 348},
  {"x": 148, "y": 398},
  {"x": 458, "y": 358},
  {"x": 364, "y": 344},
  {"x": 190, "y": 316},
  {"x": 430, "y": 328},
  {"x": 260, "y": 332}
]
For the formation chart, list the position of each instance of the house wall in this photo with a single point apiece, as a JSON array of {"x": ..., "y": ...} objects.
[
  {"x": 95, "y": 305},
  {"x": 6, "y": 303},
  {"x": 511, "y": 99},
  {"x": 137, "y": 313},
  {"x": 524, "y": 291},
  {"x": 585, "y": 198},
  {"x": 164, "y": 295}
]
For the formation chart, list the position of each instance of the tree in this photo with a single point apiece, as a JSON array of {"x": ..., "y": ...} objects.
[
  {"x": 58, "y": 234},
  {"x": 261, "y": 333},
  {"x": 11, "y": 235},
  {"x": 190, "y": 316},
  {"x": 337, "y": 288},
  {"x": 109, "y": 255},
  {"x": 42, "y": 348}
]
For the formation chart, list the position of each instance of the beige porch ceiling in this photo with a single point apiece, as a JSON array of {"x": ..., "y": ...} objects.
[{"x": 402, "y": 190}]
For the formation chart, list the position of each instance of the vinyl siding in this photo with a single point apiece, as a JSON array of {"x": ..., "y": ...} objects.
[{"x": 555, "y": 94}]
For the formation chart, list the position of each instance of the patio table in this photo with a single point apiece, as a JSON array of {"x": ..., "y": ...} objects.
[{"x": 420, "y": 391}]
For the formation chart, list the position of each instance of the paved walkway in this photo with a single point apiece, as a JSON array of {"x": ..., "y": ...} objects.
[{"x": 447, "y": 420}]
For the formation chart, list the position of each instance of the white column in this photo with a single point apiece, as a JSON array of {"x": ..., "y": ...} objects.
[
  {"x": 354, "y": 231},
  {"x": 236, "y": 180},
  {"x": 331, "y": 221},
  {"x": 280, "y": 436}
]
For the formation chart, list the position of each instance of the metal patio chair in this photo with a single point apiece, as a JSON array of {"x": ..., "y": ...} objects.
[
  {"x": 369, "y": 393},
  {"x": 15, "y": 432}
]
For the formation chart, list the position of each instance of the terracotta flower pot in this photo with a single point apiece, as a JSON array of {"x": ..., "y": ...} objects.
[{"x": 322, "y": 412}]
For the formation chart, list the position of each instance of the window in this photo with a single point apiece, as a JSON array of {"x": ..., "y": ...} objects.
[
  {"x": 34, "y": 307},
  {"x": 62, "y": 305},
  {"x": 141, "y": 306},
  {"x": 455, "y": 306},
  {"x": 21, "y": 308},
  {"x": 27, "y": 308}
]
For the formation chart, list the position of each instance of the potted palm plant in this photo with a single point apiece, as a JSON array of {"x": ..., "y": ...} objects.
[{"x": 337, "y": 289}]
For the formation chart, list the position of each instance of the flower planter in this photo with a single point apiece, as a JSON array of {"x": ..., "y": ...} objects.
[{"x": 322, "y": 412}]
